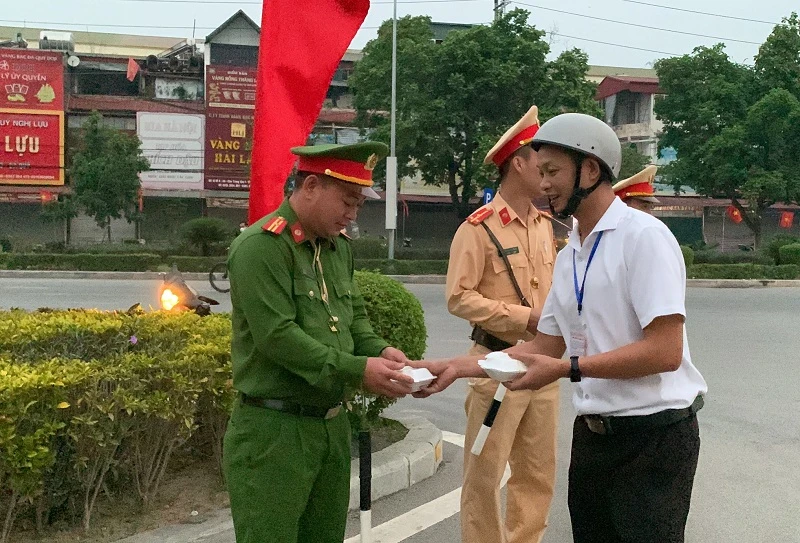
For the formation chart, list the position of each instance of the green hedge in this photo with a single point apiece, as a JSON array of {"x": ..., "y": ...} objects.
[
  {"x": 93, "y": 405},
  {"x": 688, "y": 255},
  {"x": 773, "y": 247},
  {"x": 742, "y": 271},
  {"x": 790, "y": 253},
  {"x": 404, "y": 267},
  {"x": 368, "y": 247},
  {"x": 80, "y": 262},
  {"x": 710, "y": 256}
]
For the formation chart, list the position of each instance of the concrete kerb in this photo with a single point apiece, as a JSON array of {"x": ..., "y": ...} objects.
[
  {"x": 403, "y": 464},
  {"x": 395, "y": 468}
]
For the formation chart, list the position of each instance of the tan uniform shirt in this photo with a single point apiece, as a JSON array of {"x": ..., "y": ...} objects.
[{"x": 478, "y": 285}]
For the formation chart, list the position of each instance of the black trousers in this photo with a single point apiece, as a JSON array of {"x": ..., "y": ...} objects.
[{"x": 632, "y": 488}]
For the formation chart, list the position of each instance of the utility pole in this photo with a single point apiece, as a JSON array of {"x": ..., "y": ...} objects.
[
  {"x": 391, "y": 161},
  {"x": 499, "y": 8}
]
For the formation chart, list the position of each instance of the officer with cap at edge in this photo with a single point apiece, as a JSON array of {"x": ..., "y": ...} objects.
[
  {"x": 617, "y": 307},
  {"x": 637, "y": 191},
  {"x": 301, "y": 338},
  {"x": 500, "y": 270}
]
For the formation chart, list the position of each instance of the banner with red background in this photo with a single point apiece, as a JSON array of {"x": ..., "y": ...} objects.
[{"x": 31, "y": 117}]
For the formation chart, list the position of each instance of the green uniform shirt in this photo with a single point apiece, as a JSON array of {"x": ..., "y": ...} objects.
[{"x": 286, "y": 343}]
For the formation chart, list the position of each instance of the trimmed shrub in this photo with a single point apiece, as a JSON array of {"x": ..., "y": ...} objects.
[
  {"x": 773, "y": 248},
  {"x": 94, "y": 404},
  {"x": 688, "y": 255},
  {"x": 206, "y": 233},
  {"x": 735, "y": 257},
  {"x": 790, "y": 253},
  {"x": 81, "y": 262},
  {"x": 404, "y": 267},
  {"x": 396, "y": 315},
  {"x": 369, "y": 247},
  {"x": 742, "y": 271}
]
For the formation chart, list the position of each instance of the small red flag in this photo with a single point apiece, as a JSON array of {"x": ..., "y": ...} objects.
[
  {"x": 133, "y": 69},
  {"x": 301, "y": 46},
  {"x": 787, "y": 218},
  {"x": 734, "y": 214}
]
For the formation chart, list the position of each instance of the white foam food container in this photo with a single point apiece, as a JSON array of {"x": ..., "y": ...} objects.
[
  {"x": 422, "y": 377},
  {"x": 501, "y": 367}
]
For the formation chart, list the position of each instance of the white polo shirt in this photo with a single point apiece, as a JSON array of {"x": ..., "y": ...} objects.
[{"x": 636, "y": 275}]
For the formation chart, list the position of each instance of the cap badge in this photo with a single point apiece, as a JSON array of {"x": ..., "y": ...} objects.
[{"x": 372, "y": 161}]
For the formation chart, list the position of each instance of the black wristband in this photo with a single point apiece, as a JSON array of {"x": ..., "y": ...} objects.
[{"x": 574, "y": 369}]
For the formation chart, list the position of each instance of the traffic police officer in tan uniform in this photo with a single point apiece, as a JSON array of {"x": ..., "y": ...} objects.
[
  {"x": 481, "y": 289},
  {"x": 637, "y": 191}
]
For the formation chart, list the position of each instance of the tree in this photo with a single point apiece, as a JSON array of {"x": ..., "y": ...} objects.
[
  {"x": 456, "y": 98},
  {"x": 632, "y": 161},
  {"x": 105, "y": 173},
  {"x": 61, "y": 210}
]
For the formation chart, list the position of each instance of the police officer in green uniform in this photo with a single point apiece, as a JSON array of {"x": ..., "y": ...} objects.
[{"x": 301, "y": 338}]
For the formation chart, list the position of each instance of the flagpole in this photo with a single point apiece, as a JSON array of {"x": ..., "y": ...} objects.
[{"x": 391, "y": 162}]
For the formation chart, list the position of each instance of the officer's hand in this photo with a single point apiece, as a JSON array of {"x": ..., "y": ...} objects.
[
  {"x": 542, "y": 370},
  {"x": 445, "y": 374},
  {"x": 390, "y": 353},
  {"x": 382, "y": 376}
]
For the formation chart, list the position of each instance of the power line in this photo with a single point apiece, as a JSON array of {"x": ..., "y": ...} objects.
[
  {"x": 638, "y": 25},
  {"x": 702, "y": 13},
  {"x": 556, "y": 34}
]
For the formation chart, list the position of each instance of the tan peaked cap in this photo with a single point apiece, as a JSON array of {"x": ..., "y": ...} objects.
[
  {"x": 517, "y": 136},
  {"x": 639, "y": 185}
]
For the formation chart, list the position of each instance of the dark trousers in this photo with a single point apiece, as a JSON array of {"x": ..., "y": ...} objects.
[{"x": 635, "y": 487}]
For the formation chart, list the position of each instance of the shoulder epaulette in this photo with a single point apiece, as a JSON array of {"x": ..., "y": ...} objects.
[
  {"x": 275, "y": 225},
  {"x": 480, "y": 215}
]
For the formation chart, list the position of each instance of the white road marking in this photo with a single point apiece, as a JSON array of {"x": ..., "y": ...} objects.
[{"x": 426, "y": 515}]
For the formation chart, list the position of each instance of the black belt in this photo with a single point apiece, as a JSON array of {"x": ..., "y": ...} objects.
[
  {"x": 600, "y": 424},
  {"x": 286, "y": 406},
  {"x": 485, "y": 339}
]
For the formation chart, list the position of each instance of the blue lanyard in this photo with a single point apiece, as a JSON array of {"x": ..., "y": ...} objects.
[{"x": 579, "y": 292}]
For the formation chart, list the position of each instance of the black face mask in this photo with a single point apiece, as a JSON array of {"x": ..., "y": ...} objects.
[{"x": 578, "y": 194}]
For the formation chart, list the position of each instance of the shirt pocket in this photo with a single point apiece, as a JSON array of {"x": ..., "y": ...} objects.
[
  {"x": 504, "y": 286},
  {"x": 308, "y": 302},
  {"x": 344, "y": 302}
]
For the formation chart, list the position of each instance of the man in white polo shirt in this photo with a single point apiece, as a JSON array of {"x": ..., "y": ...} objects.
[{"x": 617, "y": 307}]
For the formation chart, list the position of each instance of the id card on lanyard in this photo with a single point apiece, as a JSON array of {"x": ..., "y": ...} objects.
[{"x": 578, "y": 340}]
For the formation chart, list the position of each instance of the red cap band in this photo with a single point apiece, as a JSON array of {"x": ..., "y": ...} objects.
[
  {"x": 520, "y": 140},
  {"x": 346, "y": 170}
]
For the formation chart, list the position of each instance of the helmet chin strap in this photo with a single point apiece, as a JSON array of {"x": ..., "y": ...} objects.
[{"x": 578, "y": 195}]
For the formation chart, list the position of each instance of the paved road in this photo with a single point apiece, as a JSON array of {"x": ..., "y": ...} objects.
[{"x": 745, "y": 341}]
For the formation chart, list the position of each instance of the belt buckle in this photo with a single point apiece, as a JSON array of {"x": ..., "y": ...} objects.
[
  {"x": 332, "y": 412},
  {"x": 597, "y": 424}
]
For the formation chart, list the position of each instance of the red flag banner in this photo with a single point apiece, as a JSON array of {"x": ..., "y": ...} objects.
[
  {"x": 133, "y": 69},
  {"x": 787, "y": 218},
  {"x": 734, "y": 214},
  {"x": 300, "y": 48}
]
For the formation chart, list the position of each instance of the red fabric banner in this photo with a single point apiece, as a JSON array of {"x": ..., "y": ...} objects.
[
  {"x": 734, "y": 214},
  {"x": 300, "y": 49},
  {"x": 787, "y": 218}
]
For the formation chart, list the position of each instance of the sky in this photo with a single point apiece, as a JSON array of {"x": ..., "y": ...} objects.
[{"x": 569, "y": 23}]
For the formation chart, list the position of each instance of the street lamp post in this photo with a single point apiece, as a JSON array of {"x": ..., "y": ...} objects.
[{"x": 391, "y": 162}]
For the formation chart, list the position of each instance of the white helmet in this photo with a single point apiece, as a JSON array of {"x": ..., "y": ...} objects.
[{"x": 585, "y": 134}]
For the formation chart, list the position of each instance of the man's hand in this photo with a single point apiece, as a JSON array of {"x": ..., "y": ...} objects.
[
  {"x": 533, "y": 320},
  {"x": 383, "y": 376},
  {"x": 390, "y": 353},
  {"x": 445, "y": 374},
  {"x": 542, "y": 370}
]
